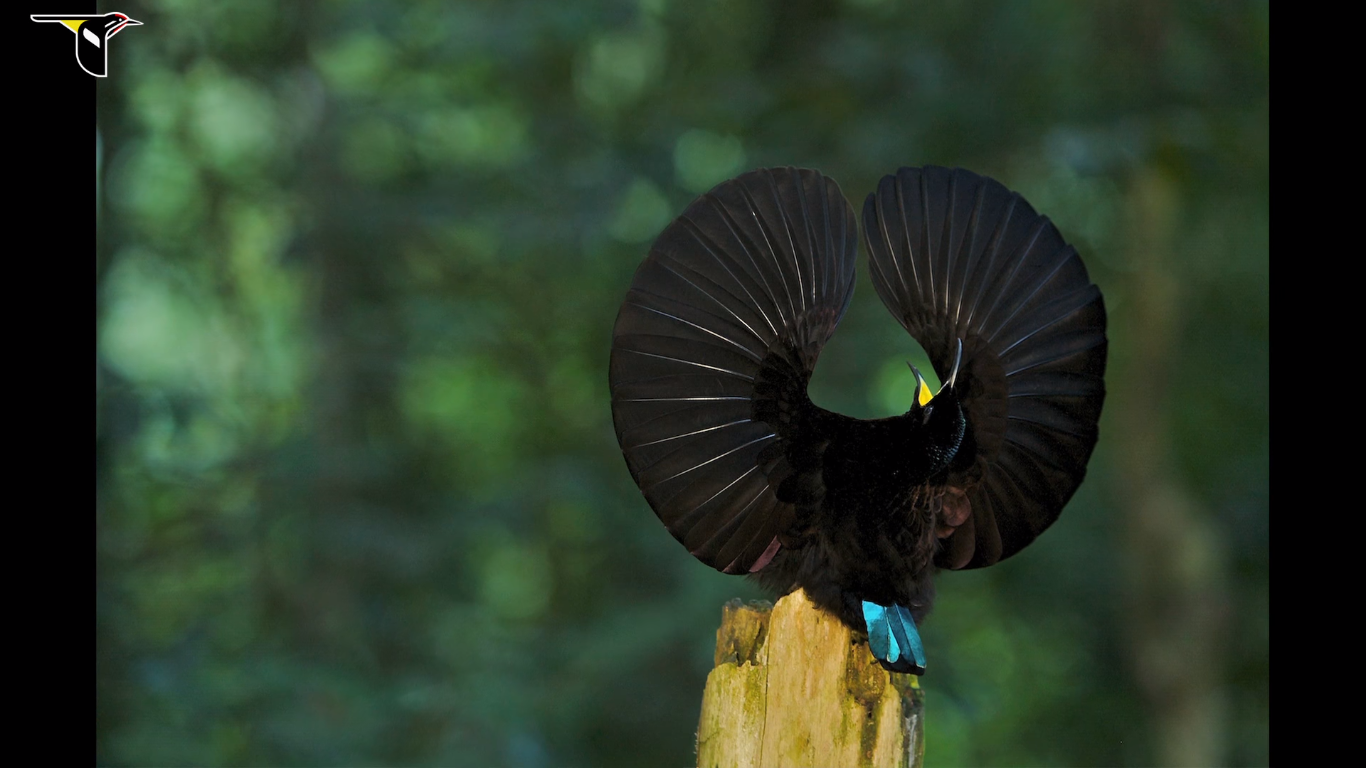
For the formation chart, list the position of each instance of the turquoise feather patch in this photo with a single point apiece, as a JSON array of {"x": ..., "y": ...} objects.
[{"x": 893, "y": 638}]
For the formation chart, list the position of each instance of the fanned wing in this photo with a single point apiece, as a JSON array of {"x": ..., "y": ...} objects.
[
  {"x": 711, "y": 354},
  {"x": 955, "y": 255}
]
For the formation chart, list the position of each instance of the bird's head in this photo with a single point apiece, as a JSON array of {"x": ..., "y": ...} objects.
[
  {"x": 113, "y": 23},
  {"x": 940, "y": 412}
]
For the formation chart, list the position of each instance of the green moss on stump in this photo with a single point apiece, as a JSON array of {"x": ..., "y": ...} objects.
[{"x": 794, "y": 687}]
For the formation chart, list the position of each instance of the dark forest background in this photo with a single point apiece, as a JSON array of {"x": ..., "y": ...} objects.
[{"x": 358, "y": 496}]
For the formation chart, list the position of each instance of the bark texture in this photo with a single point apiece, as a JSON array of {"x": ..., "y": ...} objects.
[{"x": 794, "y": 687}]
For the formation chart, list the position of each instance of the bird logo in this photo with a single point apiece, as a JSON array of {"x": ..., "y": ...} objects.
[{"x": 92, "y": 37}]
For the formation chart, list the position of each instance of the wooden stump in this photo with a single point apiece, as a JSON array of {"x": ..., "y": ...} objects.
[{"x": 794, "y": 688}]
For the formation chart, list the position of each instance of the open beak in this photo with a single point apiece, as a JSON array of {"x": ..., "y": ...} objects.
[{"x": 922, "y": 390}]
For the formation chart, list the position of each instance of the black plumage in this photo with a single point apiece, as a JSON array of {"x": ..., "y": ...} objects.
[{"x": 720, "y": 332}]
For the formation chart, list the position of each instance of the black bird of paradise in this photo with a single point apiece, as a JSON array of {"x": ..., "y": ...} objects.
[{"x": 719, "y": 335}]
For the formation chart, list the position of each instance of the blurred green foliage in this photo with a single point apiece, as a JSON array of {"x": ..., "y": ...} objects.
[{"x": 358, "y": 495}]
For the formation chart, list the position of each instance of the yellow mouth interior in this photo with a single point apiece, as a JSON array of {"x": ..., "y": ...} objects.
[{"x": 924, "y": 393}]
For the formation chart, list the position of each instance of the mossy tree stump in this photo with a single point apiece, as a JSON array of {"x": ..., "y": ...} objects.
[{"x": 794, "y": 687}]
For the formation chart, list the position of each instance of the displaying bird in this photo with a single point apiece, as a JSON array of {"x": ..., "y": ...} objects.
[{"x": 719, "y": 334}]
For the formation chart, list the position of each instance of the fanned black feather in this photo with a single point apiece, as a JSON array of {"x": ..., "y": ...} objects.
[
  {"x": 955, "y": 255},
  {"x": 711, "y": 354}
]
